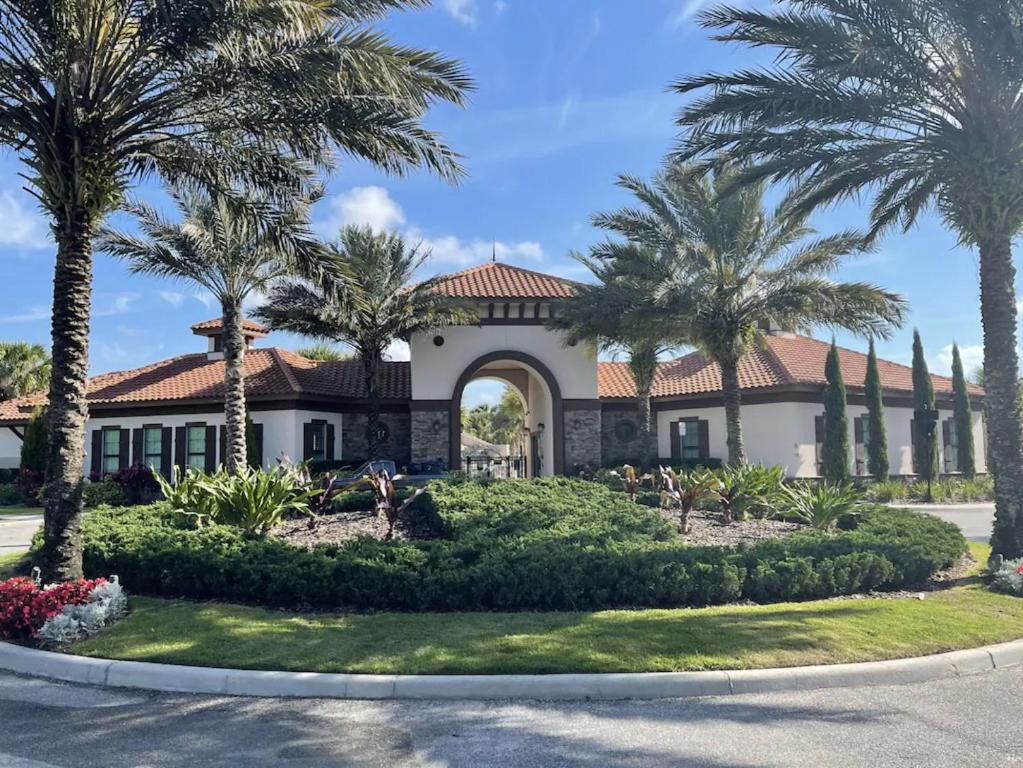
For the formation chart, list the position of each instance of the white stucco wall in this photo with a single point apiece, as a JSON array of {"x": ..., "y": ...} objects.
[
  {"x": 784, "y": 434},
  {"x": 282, "y": 430},
  {"x": 10, "y": 448},
  {"x": 435, "y": 370}
]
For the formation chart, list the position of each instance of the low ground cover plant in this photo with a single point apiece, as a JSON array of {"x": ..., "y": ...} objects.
[
  {"x": 951, "y": 489},
  {"x": 1009, "y": 578},
  {"x": 551, "y": 544},
  {"x": 55, "y": 614}
]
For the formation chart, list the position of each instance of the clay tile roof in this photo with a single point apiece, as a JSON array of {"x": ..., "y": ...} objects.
[
  {"x": 502, "y": 281},
  {"x": 269, "y": 374},
  {"x": 216, "y": 324},
  {"x": 783, "y": 359}
]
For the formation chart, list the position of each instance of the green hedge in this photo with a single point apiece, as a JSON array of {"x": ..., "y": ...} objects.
[{"x": 554, "y": 544}]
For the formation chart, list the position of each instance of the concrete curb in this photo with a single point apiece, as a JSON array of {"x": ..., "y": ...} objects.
[{"x": 642, "y": 685}]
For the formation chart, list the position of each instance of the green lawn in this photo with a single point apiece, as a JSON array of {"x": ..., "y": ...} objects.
[
  {"x": 725, "y": 637},
  {"x": 19, "y": 511},
  {"x": 9, "y": 563}
]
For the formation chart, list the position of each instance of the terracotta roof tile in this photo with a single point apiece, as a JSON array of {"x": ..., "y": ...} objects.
[
  {"x": 784, "y": 359},
  {"x": 208, "y": 327},
  {"x": 269, "y": 373},
  {"x": 503, "y": 281}
]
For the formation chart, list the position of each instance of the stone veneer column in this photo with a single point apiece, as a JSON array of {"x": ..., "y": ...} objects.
[
  {"x": 431, "y": 427},
  {"x": 582, "y": 434}
]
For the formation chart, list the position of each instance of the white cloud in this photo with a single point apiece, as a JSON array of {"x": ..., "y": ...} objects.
[
  {"x": 500, "y": 6},
  {"x": 972, "y": 356},
  {"x": 462, "y": 11},
  {"x": 31, "y": 315},
  {"x": 173, "y": 298},
  {"x": 207, "y": 299},
  {"x": 690, "y": 9},
  {"x": 398, "y": 351},
  {"x": 362, "y": 206},
  {"x": 21, "y": 226},
  {"x": 452, "y": 250},
  {"x": 119, "y": 304}
]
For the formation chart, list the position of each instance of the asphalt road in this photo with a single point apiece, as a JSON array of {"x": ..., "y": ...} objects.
[
  {"x": 975, "y": 520},
  {"x": 16, "y": 533},
  {"x": 966, "y": 722}
]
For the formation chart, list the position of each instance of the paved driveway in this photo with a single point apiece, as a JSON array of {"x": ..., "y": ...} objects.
[
  {"x": 976, "y": 520},
  {"x": 966, "y": 722},
  {"x": 16, "y": 534}
]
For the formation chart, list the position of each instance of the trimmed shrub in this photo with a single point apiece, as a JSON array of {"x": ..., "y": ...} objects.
[
  {"x": 551, "y": 544},
  {"x": 11, "y": 495},
  {"x": 104, "y": 492}
]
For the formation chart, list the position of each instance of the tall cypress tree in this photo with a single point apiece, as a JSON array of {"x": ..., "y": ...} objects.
[
  {"x": 963, "y": 419},
  {"x": 877, "y": 438},
  {"x": 925, "y": 451},
  {"x": 835, "y": 455}
]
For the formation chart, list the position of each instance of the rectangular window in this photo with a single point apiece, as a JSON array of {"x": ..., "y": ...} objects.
[
  {"x": 818, "y": 447},
  {"x": 152, "y": 454},
  {"x": 951, "y": 445},
  {"x": 689, "y": 439},
  {"x": 318, "y": 433},
  {"x": 861, "y": 430},
  {"x": 196, "y": 450},
  {"x": 111, "y": 451}
]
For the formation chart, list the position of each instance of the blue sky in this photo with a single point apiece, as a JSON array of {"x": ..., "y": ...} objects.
[{"x": 569, "y": 94}]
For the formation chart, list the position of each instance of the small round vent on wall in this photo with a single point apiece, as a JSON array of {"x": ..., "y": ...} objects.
[
  {"x": 626, "y": 430},
  {"x": 438, "y": 341}
]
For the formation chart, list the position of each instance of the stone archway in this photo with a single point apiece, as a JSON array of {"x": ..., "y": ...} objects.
[{"x": 531, "y": 364}]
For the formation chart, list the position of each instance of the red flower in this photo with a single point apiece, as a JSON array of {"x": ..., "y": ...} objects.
[
  {"x": 1020, "y": 569},
  {"x": 25, "y": 606}
]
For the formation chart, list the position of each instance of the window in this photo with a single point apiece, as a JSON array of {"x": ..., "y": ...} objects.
[
  {"x": 818, "y": 447},
  {"x": 318, "y": 441},
  {"x": 111, "y": 450},
  {"x": 950, "y": 439},
  {"x": 861, "y": 429},
  {"x": 152, "y": 453},
  {"x": 196, "y": 449},
  {"x": 689, "y": 439}
]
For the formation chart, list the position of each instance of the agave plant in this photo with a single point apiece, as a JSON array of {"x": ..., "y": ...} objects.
[
  {"x": 682, "y": 491},
  {"x": 820, "y": 506},
  {"x": 749, "y": 490},
  {"x": 631, "y": 481}
]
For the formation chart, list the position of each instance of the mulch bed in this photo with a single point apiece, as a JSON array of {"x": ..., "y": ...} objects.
[
  {"x": 343, "y": 526},
  {"x": 707, "y": 530}
]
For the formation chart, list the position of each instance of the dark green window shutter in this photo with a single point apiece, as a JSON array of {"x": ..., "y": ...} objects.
[
  {"x": 166, "y": 438},
  {"x": 307, "y": 441},
  {"x": 223, "y": 444},
  {"x": 858, "y": 430},
  {"x": 211, "y": 449},
  {"x": 703, "y": 430},
  {"x": 137, "y": 446},
  {"x": 676, "y": 441},
  {"x": 181, "y": 448},
  {"x": 97, "y": 451},
  {"x": 257, "y": 434},
  {"x": 330, "y": 442},
  {"x": 123, "y": 450}
]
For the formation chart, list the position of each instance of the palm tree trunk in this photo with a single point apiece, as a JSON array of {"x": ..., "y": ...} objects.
[
  {"x": 60, "y": 558},
  {"x": 234, "y": 387},
  {"x": 732, "y": 395},
  {"x": 370, "y": 368},
  {"x": 646, "y": 432},
  {"x": 1002, "y": 403}
]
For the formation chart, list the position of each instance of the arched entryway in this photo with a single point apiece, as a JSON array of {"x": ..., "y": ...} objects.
[{"x": 542, "y": 395}]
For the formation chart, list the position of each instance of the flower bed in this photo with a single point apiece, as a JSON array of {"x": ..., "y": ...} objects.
[
  {"x": 58, "y": 613},
  {"x": 553, "y": 544}
]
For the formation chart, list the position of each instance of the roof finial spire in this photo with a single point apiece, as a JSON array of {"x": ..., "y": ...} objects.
[{"x": 493, "y": 253}]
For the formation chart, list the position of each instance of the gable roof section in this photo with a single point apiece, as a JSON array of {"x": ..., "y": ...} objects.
[
  {"x": 503, "y": 281},
  {"x": 216, "y": 325},
  {"x": 270, "y": 374},
  {"x": 782, "y": 360}
]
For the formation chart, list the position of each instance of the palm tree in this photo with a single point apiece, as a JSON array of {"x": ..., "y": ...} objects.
[
  {"x": 723, "y": 270},
  {"x": 231, "y": 247},
  {"x": 602, "y": 313},
  {"x": 366, "y": 303},
  {"x": 914, "y": 103},
  {"x": 24, "y": 369},
  {"x": 95, "y": 93}
]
